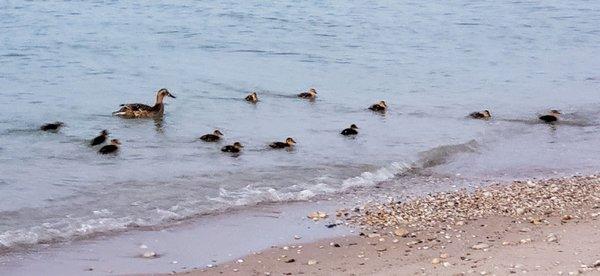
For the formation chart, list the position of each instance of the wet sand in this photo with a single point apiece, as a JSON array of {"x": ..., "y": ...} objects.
[{"x": 547, "y": 227}]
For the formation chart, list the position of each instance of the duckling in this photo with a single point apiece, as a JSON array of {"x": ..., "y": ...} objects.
[
  {"x": 352, "y": 130},
  {"x": 252, "y": 97},
  {"x": 235, "y": 148},
  {"x": 52, "y": 127},
  {"x": 212, "y": 137},
  {"x": 481, "y": 115},
  {"x": 551, "y": 117},
  {"x": 137, "y": 110},
  {"x": 311, "y": 94},
  {"x": 380, "y": 106},
  {"x": 112, "y": 148},
  {"x": 100, "y": 138},
  {"x": 289, "y": 142}
]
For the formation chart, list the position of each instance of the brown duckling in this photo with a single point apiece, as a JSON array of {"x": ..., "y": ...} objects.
[
  {"x": 311, "y": 94},
  {"x": 252, "y": 97},
  {"x": 481, "y": 115},
  {"x": 212, "y": 137},
  {"x": 112, "y": 148},
  {"x": 235, "y": 148},
  {"x": 551, "y": 117},
  {"x": 289, "y": 142},
  {"x": 379, "y": 107},
  {"x": 52, "y": 127},
  {"x": 352, "y": 130},
  {"x": 137, "y": 110},
  {"x": 100, "y": 138}
]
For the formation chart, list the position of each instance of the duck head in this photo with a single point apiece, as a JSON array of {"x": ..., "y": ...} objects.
[
  {"x": 487, "y": 113},
  {"x": 238, "y": 145},
  {"x": 104, "y": 132},
  {"x": 162, "y": 93},
  {"x": 555, "y": 112},
  {"x": 353, "y": 126},
  {"x": 290, "y": 141},
  {"x": 312, "y": 91},
  {"x": 217, "y": 132},
  {"x": 115, "y": 142},
  {"x": 382, "y": 103}
]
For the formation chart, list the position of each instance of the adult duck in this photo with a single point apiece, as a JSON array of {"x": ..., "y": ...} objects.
[
  {"x": 212, "y": 137},
  {"x": 352, "y": 130},
  {"x": 379, "y": 107},
  {"x": 137, "y": 110},
  {"x": 481, "y": 115},
  {"x": 551, "y": 117},
  {"x": 52, "y": 127},
  {"x": 289, "y": 142},
  {"x": 112, "y": 148},
  {"x": 311, "y": 94},
  {"x": 100, "y": 138},
  {"x": 234, "y": 148},
  {"x": 252, "y": 97}
]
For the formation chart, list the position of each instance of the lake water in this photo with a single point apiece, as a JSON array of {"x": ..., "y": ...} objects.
[{"x": 432, "y": 62}]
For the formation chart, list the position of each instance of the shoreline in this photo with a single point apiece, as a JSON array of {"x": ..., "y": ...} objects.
[{"x": 546, "y": 227}]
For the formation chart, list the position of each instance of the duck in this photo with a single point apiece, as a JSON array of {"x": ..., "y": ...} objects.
[
  {"x": 481, "y": 114},
  {"x": 113, "y": 147},
  {"x": 551, "y": 117},
  {"x": 137, "y": 110},
  {"x": 234, "y": 148},
  {"x": 289, "y": 142},
  {"x": 252, "y": 97},
  {"x": 100, "y": 138},
  {"x": 212, "y": 137},
  {"x": 352, "y": 130},
  {"x": 311, "y": 94},
  {"x": 52, "y": 127},
  {"x": 380, "y": 106}
]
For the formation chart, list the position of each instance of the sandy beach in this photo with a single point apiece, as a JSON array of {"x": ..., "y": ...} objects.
[{"x": 545, "y": 227}]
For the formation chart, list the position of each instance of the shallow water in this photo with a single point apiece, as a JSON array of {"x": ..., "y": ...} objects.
[{"x": 433, "y": 63}]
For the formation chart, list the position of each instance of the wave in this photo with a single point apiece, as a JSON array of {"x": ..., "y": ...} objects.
[{"x": 103, "y": 222}]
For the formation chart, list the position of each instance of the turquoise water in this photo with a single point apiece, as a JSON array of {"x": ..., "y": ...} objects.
[{"x": 433, "y": 63}]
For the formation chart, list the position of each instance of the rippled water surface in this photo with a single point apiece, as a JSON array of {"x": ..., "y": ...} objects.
[{"x": 432, "y": 62}]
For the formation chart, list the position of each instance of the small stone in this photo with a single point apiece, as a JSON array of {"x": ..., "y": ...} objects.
[
  {"x": 149, "y": 254},
  {"x": 525, "y": 230},
  {"x": 525, "y": 240},
  {"x": 520, "y": 211},
  {"x": 435, "y": 261},
  {"x": 240, "y": 261},
  {"x": 480, "y": 246},
  {"x": 289, "y": 261},
  {"x": 296, "y": 237},
  {"x": 444, "y": 255},
  {"x": 596, "y": 264},
  {"x": 373, "y": 235},
  {"x": 312, "y": 262},
  {"x": 401, "y": 232},
  {"x": 446, "y": 264},
  {"x": 318, "y": 215}
]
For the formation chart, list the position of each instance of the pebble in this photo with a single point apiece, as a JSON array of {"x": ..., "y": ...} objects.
[
  {"x": 312, "y": 262},
  {"x": 149, "y": 254},
  {"x": 480, "y": 246},
  {"x": 444, "y": 255},
  {"x": 401, "y": 232},
  {"x": 318, "y": 215},
  {"x": 435, "y": 261}
]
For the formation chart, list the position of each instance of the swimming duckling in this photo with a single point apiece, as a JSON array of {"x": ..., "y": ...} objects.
[
  {"x": 289, "y": 142},
  {"x": 481, "y": 114},
  {"x": 137, "y": 110},
  {"x": 100, "y": 138},
  {"x": 253, "y": 97},
  {"x": 53, "y": 127},
  {"x": 235, "y": 148},
  {"x": 212, "y": 137},
  {"x": 352, "y": 130},
  {"x": 551, "y": 117},
  {"x": 112, "y": 148},
  {"x": 311, "y": 94},
  {"x": 380, "y": 106}
]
